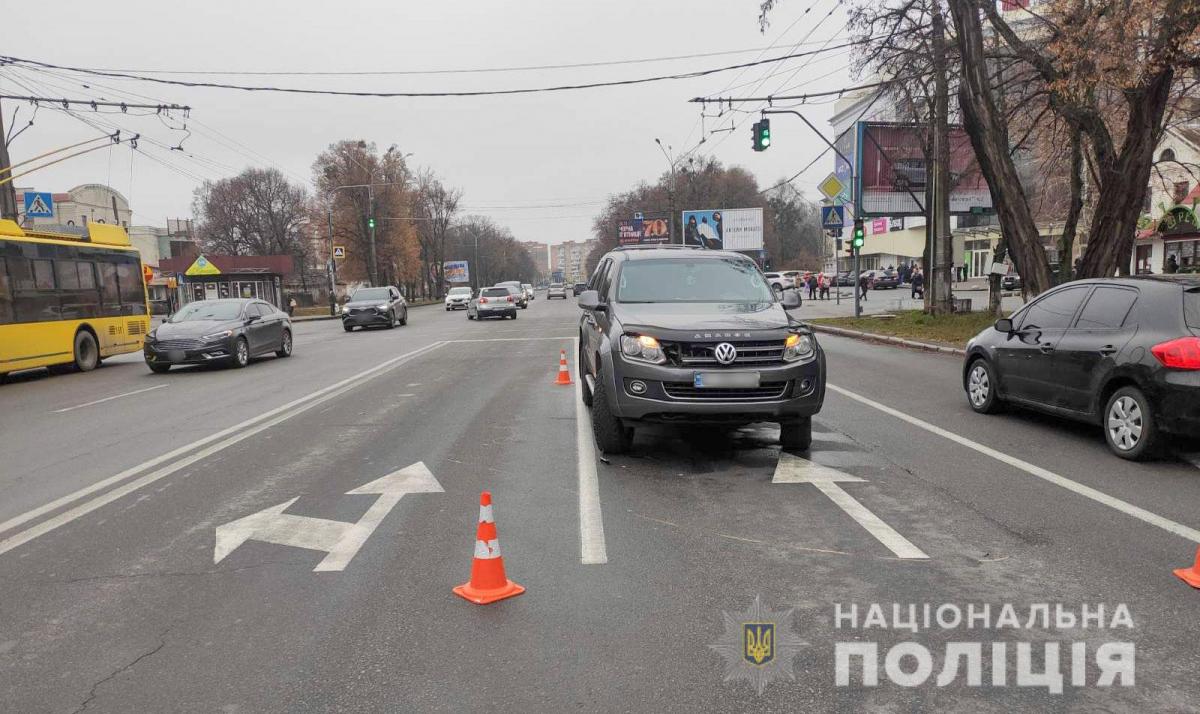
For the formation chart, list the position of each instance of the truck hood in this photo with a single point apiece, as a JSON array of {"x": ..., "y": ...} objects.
[{"x": 696, "y": 320}]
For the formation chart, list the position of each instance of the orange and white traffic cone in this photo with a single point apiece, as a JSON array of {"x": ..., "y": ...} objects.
[
  {"x": 488, "y": 582},
  {"x": 1191, "y": 575},
  {"x": 564, "y": 374}
]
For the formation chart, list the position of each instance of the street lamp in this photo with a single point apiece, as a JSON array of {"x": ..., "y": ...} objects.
[{"x": 670, "y": 192}]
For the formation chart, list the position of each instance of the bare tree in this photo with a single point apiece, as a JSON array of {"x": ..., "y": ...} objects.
[
  {"x": 435, "y": 208},
  {"x": 257, "y": 212},
  {"x": 356, "y": 183}
]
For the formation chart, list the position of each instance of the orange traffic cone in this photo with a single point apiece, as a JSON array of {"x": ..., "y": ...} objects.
[
  {"x": 488, "y": 582},
  {"x": 1191, "y": 575},
  {"x": 564, "y": 374}
]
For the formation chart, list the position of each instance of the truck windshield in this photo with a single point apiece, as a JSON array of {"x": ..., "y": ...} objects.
[{"x": 730, "y": 280}]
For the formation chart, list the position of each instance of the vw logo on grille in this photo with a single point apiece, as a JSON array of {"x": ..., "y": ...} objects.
[{"x": 725, "y": 353}]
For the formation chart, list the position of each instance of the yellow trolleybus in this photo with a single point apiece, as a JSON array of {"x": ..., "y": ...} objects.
[{"x": 69, "y": 296}]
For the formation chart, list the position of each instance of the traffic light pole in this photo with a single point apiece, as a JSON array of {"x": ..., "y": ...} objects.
[
  {"x": 857, "y": 290},
  {"x": 853, "y": 204}
]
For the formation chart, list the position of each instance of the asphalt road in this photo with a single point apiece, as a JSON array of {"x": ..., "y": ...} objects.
[{"x": 109, "y": 514}]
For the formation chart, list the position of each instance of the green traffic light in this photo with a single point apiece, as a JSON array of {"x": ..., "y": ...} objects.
[{"x": 370, "y": 223}]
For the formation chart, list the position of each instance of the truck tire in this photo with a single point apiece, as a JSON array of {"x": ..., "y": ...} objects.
[
  {"x": 796, "y": 435},
  {"x": 612, "y": 436}
]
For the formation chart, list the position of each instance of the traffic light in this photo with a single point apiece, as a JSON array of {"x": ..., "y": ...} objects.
[
  {"x": 371, "y": 223},
  {"x": 859, "y": 234},
  {"x": 762, "y": 134},
  {"x": 849, "y": 244}
]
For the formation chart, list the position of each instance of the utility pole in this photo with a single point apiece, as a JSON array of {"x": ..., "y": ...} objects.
[
  {"x": 8, "y": 191},
  {"x": 942, "y": 245},
  {"x": 670, "y": 194},
  {"x": 332, "y": 269}
]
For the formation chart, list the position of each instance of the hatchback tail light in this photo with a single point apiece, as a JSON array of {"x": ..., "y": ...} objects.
[
  {"x": 483, "y": 301},
  {"x": 1183, "y": 353},
  {"x": 510, "y": 298}
]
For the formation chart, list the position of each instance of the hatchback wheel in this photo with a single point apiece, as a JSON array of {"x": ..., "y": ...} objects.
[
  {"x": 981, "y": 387},
  {"x": 1129, "y": 426}
]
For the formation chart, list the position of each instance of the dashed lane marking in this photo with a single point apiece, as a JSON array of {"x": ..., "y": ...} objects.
[{"x": 109, "y": 399}]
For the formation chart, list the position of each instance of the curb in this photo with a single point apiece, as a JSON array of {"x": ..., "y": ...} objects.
[{"x": 886, "y": 339}]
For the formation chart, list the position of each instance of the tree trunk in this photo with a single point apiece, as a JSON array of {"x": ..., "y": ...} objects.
[
  {"x": 1066, "y": 241},
  {"x": 989, "y": 137},
  {"x": 1123, "y": 182}
]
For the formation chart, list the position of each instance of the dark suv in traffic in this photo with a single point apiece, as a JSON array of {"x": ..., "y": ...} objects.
[{"x": 683, "y": 335}]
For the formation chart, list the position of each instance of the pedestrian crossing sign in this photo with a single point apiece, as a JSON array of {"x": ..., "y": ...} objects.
[
  {"x": 833, "y": 216},
  {"x": 39, "y": 205},
  {"x": 339, "y": 251}
]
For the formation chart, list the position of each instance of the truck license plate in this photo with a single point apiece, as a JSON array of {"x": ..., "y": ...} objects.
[{"x": 726, "y": 380}]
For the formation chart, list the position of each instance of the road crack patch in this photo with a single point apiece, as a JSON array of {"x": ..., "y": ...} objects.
[{"x": 92, "y": 693}]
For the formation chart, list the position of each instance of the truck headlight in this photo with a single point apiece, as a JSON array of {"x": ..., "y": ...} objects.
[
  {"x": 642, "y": 347},
  {"x": 797, "y": 347}
]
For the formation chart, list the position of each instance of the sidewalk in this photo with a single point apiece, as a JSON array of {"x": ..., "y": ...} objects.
[{"x": 880, "y": 301}]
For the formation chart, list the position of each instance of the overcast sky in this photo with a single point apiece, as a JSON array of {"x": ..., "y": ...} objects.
[{"x": 540, "y": 164}]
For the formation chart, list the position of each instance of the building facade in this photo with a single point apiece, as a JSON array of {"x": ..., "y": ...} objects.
[{"x": 570, "y": 257}]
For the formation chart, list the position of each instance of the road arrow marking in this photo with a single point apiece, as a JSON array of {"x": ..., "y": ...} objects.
[
  {"x": 793, "y": 469},
  {"x": 340, "y": 540}
]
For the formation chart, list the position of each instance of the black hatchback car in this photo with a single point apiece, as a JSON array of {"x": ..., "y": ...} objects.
[
  {"x": 683, "y": 335},
  {"x": 230, "y": 331},
  {"x": 1123, "y": 353}
]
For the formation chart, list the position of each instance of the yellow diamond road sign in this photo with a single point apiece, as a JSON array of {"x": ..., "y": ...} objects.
[{"x": 831, "y": 187}]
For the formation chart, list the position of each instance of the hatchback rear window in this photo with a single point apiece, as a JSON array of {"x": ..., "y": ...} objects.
[
  {"x": 496, "y": 292},
  {"x": 1191, "y": 307}
]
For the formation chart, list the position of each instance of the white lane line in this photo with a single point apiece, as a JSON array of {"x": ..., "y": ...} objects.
[
  {"x": 794, "y": 469},
  {"x": 223, "y": 439},
  {"x": 109, "y": 399},
  {"x": 591, "y": 520},
  {"x": 1049, "y": 476}
]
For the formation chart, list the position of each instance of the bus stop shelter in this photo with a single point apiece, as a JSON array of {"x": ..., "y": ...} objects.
[{"x": 211, "y": 277}]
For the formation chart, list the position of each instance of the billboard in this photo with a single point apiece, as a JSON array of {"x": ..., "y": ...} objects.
[
  {"x": 725, "y": 228},
  {"x": 892, "y": 174},
  {"x": 643, "y": 230},
  {"x": 456, "y": 271}
]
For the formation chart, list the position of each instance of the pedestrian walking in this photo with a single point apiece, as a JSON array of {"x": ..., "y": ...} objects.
[
  {"x": 291, "y": 307},
  {"x": 864, "y": 283},
  {"x": 822, "y": 286},
  {"x": 918, "y": 284},
  {"x": 811, "y": 280}
]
